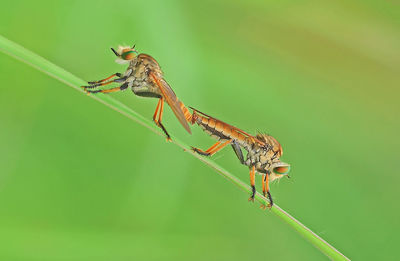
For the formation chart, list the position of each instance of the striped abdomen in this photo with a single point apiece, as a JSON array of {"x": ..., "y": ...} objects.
[
  {"x": 186, "y": 112},
  {"x": 218, "y": 130}
]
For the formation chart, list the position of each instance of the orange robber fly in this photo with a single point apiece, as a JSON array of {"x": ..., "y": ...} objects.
[
  {"x": 145, "y": 78},
  {"x": 263, "y": 151}
]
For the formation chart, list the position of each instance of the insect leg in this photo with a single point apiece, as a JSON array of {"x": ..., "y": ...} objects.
[
  {"x": 116, "y": 89},
  {"x": 263, "y": 184},
  {"x": 252, "y": 183},
  {"x": 271, "y": 203},
  {"x": 207, "y": 152},
  {"x": 220, "y": 147},
  {"x": 265, "y": 188},
  {"x": 161, "y": 110},
  {"x": 102, "y": 83},
  {"x": 158, "y": 121},
  {"x": 106, "y": 79},
  {"x": 213, "y": 149},
  {"x": 156, "y": 112}
]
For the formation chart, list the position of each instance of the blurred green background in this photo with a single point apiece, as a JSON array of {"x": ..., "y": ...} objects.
[{"x": 79, "y": 181}]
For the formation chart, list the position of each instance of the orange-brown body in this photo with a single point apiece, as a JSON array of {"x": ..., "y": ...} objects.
[
  {"x": 263, "y": 151},
  {"x": 145, "y": 78}
]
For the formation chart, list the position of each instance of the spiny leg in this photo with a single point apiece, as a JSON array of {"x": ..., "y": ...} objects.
[
  {"x": 213, "y": 149},
  {"x": 116, "y": 89},
  {"x": 103, "y": 82},
  {"x": 265, "y": 187},
  {"x": 160, "y": 118},
  {"x": 95, "y": 85},
  {"x": 220, "y": 147},
  {"x": 265, "y": 190},
  {"x": 98, "y": 84},
  {"x": 253, "y": 183},
  {"x": 207, "y": 152},
  {"x": 106, "y": 79},
  {"x": 263, "y": 184},
  {"x": 160, "y": 109},
  {"x": 156, "y": 111},
  {"x": 271, "y": 203}
]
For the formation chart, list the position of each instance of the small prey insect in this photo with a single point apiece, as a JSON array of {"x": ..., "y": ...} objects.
[
  {"x": 145, "y": 78},
  {"x": 263, "y": 151}
]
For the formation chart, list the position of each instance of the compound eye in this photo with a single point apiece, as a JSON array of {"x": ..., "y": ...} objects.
[
  {"x": 128, "y": 55},
  {"x": 282, "y": 170}
]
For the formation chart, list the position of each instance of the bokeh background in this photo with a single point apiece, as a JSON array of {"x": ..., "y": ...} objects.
[{"x": 79, "y": 181}]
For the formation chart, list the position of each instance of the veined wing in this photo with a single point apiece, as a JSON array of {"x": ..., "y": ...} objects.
[
  {"x": 238, "y": 151},
  {"x": 173, "y": 101}
]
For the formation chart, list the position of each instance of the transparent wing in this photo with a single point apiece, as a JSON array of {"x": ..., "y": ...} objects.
[
  {"x": 173, "y": 101},
  {"x": 238, "y": 151}
]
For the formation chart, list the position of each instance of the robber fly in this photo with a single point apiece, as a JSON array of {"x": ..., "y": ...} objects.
[
  {"x": 263, "y": 151},
  {"x": 145, "y": 78}
]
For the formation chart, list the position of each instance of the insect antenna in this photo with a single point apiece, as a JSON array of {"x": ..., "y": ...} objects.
[
  {"x": 115, "y": 52},
  {"x": 133, "y": 48}
]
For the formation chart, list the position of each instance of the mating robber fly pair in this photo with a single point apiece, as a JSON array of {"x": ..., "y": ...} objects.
[{"x": 145, "y": 78}]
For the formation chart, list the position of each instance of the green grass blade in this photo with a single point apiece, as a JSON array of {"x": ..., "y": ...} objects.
[{"x": 43, "y": 65}]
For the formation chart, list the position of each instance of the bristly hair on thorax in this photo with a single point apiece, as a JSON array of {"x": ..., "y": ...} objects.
[{"x": 270, "y": 142}]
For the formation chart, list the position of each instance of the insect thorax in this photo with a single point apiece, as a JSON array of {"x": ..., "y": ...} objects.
[
  {"x": 139, "y": 77},
  {"x": 263, "y": 156}
]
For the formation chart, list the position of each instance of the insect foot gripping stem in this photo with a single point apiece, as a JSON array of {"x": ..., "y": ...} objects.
[
  {"x": 159, "y": 124},
  {"x": 200, "y": 151},
  {"x": 265, "y": 189},
  {"x": 271, "y": 203},
  {"x": 267, "y": 204},
  {"x": 252, "y": 183},
  {"x": 168, "y": 138},
  {"x": 157, "y": 119},
  {"x": 253, "y": 193}
]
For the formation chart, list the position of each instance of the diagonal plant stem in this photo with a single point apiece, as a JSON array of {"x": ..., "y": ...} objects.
[{"x": 43, "y": 65}]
